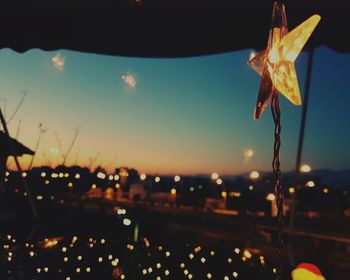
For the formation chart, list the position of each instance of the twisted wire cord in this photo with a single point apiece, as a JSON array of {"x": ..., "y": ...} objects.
[{"x": 276, "y": 115}]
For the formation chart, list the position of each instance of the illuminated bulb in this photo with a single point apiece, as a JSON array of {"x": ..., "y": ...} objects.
[
  {"x": 173, "y": 191},
  {"x": 65, "y": 259},
  {"x": 251, "y": 187},
  {"x": 166, "y": 272},
  {"x": 150, "y": 270},
  {"x": 100, "y": 259},
  {"x": 212, "y": 253},
  {"x": 185, "y": 271},
  {"x": 31, "y": 253},
  {"x": 209, "y": 276},
  {"x": 229, "y": 260},
  {"x": 79, "y": 258},
  {"x": 77, "y": 270},
  {"x": 291, "y": 190},
  {"x": 110, "y": 257},
  {"x": 70, "y": 185},
  {"x": 38, "y": 270},
  {"x": 116, "y": 177},
  {"x": 24, "y": 174},
  {"x": 182, "y": 265},
  {"x": 224, "y": 194},
  {"x": 190, "y": 276},
  {"x": 64, "y": 249},
  {"x": 191, "y": 256},
  {"x": 144, "y": 271},
  {"x": 177, "y": 178},
  {"x": 235, "y": 274},
  {"x": 103, "y": 241},
  {"x": 274, "y": 270},
  {"x": 39, "y": 197},
  {"x": 325, "y": 190},
  {"x": 157, "y": 179},
  {"x": 122, "y": 276},
  {"x": 88, "y": 269},
  {"x": 77, "y": 176},
  {"x": 93, "y": 186},
  {"x": 158, "y": 265},
  {"x": 226, "y": 278},
  {"x": 110, "y": 177},
  {"x": 167, "y": 253},
  {"x": 46, "y": 269},
  {"x": 43, "y": 174}
]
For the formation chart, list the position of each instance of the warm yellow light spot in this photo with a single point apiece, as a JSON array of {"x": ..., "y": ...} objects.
[
  {"x": 203, "y": 260},
  {"x": 224, "y": 194},
  {"x": 24, "y": 174},
  {"x": 117, "y": 186},
  {"x": 235, "y": 194},
  {"x": 39, "y": 197},
  {"x": 235, "y": 274},
  {"x": 143, "y": 177},
  {"x": 254, "y": 175},
  {"x": 101, "y": 175},
  {"x": 214, "y": 176},
  {"x": 270, "y": 197},
  {"x": 93, "y": 186},
  {"x": 219, "y": 181},
  {"x": 77, "y": 176},
  {"x": 157, "y": 179},
  {"x": 310, "y": 184},
  {"x": 100, "y": 259},
  {"x": 291, "y": 190},
  {"x": 325, "y": 190},
  {"x": 177, "y": 178},
  {"x": 43, "y": 174},
  {"x": 70, "y": 185},
  {"x": 247, "y": 254},
  {"x": 47, "y": 182},
  {"x": 173, "y": 191},
  {"x": 191, "y": 256},
  {"x": 305, "y": 168},
  {"x": 209, "y": 275}
]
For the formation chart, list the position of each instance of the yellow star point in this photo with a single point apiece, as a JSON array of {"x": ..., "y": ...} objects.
[{"x": 275, "y": 64}]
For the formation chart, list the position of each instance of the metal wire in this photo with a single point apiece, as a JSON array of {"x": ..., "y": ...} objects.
[{"x": 276, "y": 115}]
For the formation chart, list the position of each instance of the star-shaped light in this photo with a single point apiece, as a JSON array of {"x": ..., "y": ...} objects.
[{"x": 275, "y": 65}]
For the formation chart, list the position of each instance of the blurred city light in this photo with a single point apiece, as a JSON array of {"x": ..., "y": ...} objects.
[
  {"x": 254, "y": 175},
  {"x": 305, "y": 168}
]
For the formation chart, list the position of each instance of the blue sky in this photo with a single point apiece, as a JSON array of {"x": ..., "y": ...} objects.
[{"x": 186, "y": 116}]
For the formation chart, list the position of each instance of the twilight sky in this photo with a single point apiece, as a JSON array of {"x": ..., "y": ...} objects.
[{"x": 185, "y": 116}]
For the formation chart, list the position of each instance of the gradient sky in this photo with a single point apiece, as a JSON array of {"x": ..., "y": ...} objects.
[{"x": 185, "y": 116}]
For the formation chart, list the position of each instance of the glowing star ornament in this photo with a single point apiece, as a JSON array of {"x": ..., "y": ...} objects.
[{"x": 275, "y": 65}]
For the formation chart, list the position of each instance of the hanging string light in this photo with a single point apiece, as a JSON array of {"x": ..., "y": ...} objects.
[{"x": 276, "y": 67}]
